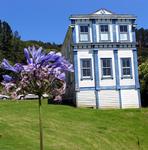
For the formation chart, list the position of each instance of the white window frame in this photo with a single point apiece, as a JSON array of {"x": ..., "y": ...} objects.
[
  {"x": 111, "y": 69},
  {"x": 127, "y": 32},
  {"x": 106, "y": 32},
  {"x": 81, "y": 67},
  {"x": 126, "y": 67},
  {"x": 81, "y": 33}
]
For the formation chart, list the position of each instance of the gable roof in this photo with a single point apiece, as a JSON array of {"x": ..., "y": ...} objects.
[
  {"x": 103, "y": 11},
  {"x": 103, "y": 14}
]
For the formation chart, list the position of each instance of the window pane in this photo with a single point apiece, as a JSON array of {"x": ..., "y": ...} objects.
[
  {"x": 86, "y": 67},
  {"x": 104, "y": 36},
  {"x": 104, "y": 63},
  {"x": 126, "y": 71},
  {"x": 108, "y": 63},
  {"x": 86, "y": 72},
  {"x": 106, "y": 67},
  {"x": 86, "y": 63},
  {"x": 104, "y": 71},
  {"x": 126, "y": 62},
  {"x": 123, "y": 36},
  {"x": 123, "y": 28},
  {"x": 108, "y": 71},
  {"x": 104, "y": 28},
  {"x": 84, "y": 29},
  {"x": 126, "y": 66},
  {"x": 83, "y": 37}
]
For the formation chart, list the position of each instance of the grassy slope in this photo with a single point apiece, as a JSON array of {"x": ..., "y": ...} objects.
[{"x": 68, "y": 128}]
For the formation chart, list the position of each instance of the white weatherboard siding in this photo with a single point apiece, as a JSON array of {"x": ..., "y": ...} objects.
[
  {"x": 86, "y": 98},
  {"x": 130, "y": 98},
  {"x": 127, "y": 53},
  {"x": 82, "y": 54},
  {"x": 97, "y": 32},
  {"x": 104, "y": 36},
  {"x": 111, "y": 32},
  {"x": 117, "y": 33},
  {"x": 77, "y": 33},
  {"x": 109, "y": 99},
  {"x": 90, "y": 34},
  {"x": 130, "y": 33},
  {"x": 106, "y": 54}
]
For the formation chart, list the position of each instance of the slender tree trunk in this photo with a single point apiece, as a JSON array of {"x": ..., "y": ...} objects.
[{"x": 40, "y": 125}]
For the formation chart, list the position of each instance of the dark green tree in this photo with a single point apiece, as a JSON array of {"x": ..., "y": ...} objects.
[{"x": 6, "y": 36}]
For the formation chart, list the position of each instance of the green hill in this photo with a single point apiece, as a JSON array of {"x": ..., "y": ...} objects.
[{"x": 68, "y": 128}]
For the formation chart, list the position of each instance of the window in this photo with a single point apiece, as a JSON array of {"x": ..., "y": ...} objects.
[
  {"x": 84, "y": 34},
  {"x": 86, "y": 71},
  {"x": 104, "y": 28},
  {"x": 123, "y": 28},
  {"x": 123, "y": 32},
  {"x": 106, "y": 67},
  {"x": 104, "y": 33},
  {"x": 126, "y": 68}
]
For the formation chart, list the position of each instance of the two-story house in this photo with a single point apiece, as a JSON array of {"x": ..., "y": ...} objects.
[{"x": 102, "y": 47}]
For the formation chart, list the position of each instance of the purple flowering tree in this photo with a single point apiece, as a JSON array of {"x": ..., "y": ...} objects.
[{"x": 43, "y": 73}]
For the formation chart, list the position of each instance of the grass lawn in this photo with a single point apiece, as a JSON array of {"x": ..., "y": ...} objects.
[{"x": 69, "y": 128}]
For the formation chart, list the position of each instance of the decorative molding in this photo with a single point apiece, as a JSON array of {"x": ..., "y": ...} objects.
[
  {"x": 116, "y": 69},
  {"x": 127, "y": 87},
  {"x": 120, "y": 99},
  {"x": 76, "y": 70},
  {"x": 97, "y": 99},
  {"x": 94, "y": 31},
  {"x": 106, "y": 45},
  {"x": 87, "y": 88},
  {"x": 114, "y": 32},
  {"x": 135, "y": 62},
  {"x": 96, "y": 75},
  {"x": 74, "y": 35},
  {"x": 96, "y": 69}
]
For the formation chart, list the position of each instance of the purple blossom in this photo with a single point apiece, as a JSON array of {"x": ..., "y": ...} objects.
[
  {"x": 27, "y": 55},
  {"x": 5, "y": 65},
  {"x": 44, "y": 73},
  {"x": 7, "y": 78},
  {"x": 61, "y": 76}
]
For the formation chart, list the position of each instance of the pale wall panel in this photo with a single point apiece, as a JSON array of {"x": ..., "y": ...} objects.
[{"x": 130, "y": 98}]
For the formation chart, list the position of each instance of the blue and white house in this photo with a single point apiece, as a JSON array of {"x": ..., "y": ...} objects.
[{"x": 102, "y": 47}]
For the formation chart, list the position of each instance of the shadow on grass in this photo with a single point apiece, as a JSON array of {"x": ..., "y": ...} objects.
[{"x": 68, "y": 102}]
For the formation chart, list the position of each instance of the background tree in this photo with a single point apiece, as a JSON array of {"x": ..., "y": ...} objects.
[
  {"x": 143, "y": 75},
  {"x": 6, "y": 40}
]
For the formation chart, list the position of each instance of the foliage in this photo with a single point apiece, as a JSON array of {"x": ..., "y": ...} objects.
[
  {"x": 142, "y": 43},
  {"x": 142, "y": 36},
  {"x": 43, "y": 73},
  {"x": 5, "y": 39},
  {"x": 143, "y": 75}
]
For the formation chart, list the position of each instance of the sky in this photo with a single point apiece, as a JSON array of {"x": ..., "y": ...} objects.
[{"x": 48, "y": 20}]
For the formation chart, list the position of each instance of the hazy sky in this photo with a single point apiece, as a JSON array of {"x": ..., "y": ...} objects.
[{"x": 48, "y": 20}]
